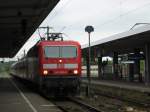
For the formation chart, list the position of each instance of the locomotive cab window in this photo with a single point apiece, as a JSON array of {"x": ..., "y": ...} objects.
[
  {"x": 52, "y": 52},
  {"x": 69, "y": 52},
  {"x": 60, "y": 51}
]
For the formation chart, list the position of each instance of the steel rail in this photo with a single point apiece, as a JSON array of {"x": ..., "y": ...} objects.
[{"x": 88, "y": 107}]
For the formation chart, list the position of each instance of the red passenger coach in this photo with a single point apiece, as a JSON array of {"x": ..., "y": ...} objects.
[{"x": 52, "y": 65}]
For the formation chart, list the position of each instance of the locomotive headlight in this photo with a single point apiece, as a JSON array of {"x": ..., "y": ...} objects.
[
  {"x": 60, "y": 60},
  {"x": 45, "y": 72},
  {"x": 75, "y": 71}
]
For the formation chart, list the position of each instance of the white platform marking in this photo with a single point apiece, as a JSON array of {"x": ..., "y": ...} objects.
[{"x": 24, "y": 97}]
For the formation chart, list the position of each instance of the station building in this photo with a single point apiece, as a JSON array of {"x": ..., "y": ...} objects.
[{"x": 127, "y": 56}]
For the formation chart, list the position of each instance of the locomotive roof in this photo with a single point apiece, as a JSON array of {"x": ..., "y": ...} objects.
[{"x": 58, "y": 43}]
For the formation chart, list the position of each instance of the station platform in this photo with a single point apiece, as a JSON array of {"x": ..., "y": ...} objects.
[
  {"x": 16, "y": 97},
  {"x": 141, "y": 87}
]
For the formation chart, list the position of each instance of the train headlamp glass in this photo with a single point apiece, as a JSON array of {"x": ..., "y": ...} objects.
[
  {"x": 75, "y": 71},
  {"x": 60, "y": 61},
  {"x": 45, "y": 72}
]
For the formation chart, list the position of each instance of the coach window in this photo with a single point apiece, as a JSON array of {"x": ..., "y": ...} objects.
[{"x": 69, "y": 52}]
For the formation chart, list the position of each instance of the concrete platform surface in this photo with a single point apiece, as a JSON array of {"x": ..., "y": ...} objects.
[
  {"x": 141, "y": 87},
  {"x": 16, "y": 97}
]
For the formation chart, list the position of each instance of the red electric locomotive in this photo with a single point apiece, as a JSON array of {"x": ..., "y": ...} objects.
[{"x": 54, "y": 66}]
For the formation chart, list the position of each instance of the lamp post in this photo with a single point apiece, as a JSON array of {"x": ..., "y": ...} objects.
[{"x": 89, "y": 29}]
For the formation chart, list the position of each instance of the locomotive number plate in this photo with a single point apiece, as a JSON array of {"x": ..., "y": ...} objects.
[{"x": 60, "y": 72}]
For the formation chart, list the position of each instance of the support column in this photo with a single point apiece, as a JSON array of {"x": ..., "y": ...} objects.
[
  {"x": 131, "y": 72},
  {"x": 87, "y": 66},
  {"x": 115, "y": 65},
  {"x": 147, "y": 64},
  {"x": 137, "y": 69},
  {"x": 100, "y": 75},
  {"x": 137, "y": 64}
]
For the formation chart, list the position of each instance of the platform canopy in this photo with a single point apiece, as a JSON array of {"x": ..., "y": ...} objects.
[
  {"x": 18, "y": 21},
  {"x": 125, "y": 42}
]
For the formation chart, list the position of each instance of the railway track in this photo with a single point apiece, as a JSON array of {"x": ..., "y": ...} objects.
[
  {"x": 131, "y": 101},
  {"x": 85, "y": 106},
  {"x": 68, "y": 104},
  {"x": 74, "y": 105}
]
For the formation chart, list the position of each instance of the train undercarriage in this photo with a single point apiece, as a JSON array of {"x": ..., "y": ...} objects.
[{"x": 60, "y": 85}]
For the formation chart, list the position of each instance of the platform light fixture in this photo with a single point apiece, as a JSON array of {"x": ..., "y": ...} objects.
[{"x": 89, "y": 29}]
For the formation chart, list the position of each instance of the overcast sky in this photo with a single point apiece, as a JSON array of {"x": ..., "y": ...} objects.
[{"x": 108, "y": 17}]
